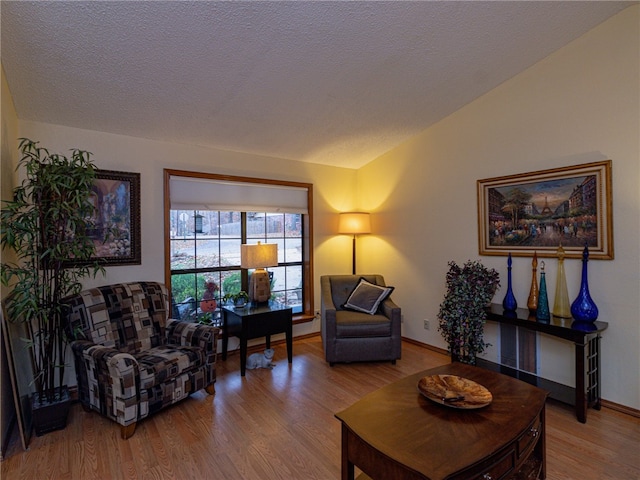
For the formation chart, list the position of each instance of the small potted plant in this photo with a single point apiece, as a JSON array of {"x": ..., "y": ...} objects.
[
  {"x": 462, "y": 313},
  {"x": 47, "y": 225},
  {"x": 205, "y": 319},
  {"x": 239, "y": 299}
]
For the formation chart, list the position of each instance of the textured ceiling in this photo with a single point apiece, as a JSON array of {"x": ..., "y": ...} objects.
[{"x": 337, "y": 83}]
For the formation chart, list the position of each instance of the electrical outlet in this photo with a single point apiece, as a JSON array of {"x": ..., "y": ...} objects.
[{"x": 426, "y": 324}]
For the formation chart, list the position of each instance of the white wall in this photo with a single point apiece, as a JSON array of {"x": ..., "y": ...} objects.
[
  {"x": 333, "y": 191},
  {"x": 579, "y": 105}
]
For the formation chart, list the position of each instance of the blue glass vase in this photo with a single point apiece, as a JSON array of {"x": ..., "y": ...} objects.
[
  {"x": 583, "y": 308},
  {"x": 509, "y": 303},
  {"x": 542, "y": 313}
]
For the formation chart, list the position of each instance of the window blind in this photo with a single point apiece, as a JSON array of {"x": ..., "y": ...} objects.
[{"x": 188, "y": 193}]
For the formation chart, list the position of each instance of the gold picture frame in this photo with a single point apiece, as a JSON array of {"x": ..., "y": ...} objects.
[{"x": 537, "y": 211}]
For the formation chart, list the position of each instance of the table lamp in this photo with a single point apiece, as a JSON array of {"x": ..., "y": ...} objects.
[
  {"x": 258, "y": 257},
  {"x": 354, "y": 223}
]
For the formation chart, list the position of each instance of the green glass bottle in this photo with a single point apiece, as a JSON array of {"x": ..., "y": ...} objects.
[{"x": 542, "y": 314}]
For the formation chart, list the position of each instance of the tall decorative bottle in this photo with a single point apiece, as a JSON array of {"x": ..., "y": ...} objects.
[
  {"x": 542, "y": 313},
  {"x": 583, "y": 307},
  {"x": 509, "y": 303},
  {"x": 532, "y": 302},
  {"x": 561, "y": 306}
]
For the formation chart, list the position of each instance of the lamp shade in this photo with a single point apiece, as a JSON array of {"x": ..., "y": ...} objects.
[
  {"x": 259, "y": 256},
  {"x": 354, "y": 223}
]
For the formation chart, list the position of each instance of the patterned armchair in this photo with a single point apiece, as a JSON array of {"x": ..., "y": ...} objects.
[{"x": 131, "y": 360}]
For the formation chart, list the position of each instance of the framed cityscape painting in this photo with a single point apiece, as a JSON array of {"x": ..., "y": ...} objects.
[{"x": 539, "y": 211}]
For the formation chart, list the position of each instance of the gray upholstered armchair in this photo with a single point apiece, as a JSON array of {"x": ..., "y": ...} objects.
[
  {"x": 131, "y": 359},
  {"x": 354, "y": 336}
]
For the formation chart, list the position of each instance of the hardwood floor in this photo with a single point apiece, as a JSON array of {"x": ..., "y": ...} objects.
[{"x": 279, "y": 424}]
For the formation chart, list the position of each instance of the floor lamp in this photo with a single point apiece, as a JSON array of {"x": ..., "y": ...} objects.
[
  {"x": 354, "y": 223},
  {"x": 259, "y": 256}
]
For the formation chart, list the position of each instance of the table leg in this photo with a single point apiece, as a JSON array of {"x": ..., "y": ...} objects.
[
  {"x": 581, "y": 397},
  {"x": 348, "y": 470},
  {"x": 243, "y": 355},
  {"x": 541, "y": 447},
  {"x": 268, "y": 340},
  {"x": 598, "y": 404},
  {"x": 225, "y": 335},
  {"x": 289, "y": 336}
]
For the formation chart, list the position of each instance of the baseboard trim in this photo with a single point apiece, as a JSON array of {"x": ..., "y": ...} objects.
[
  {"x": 620, "y": 408},
  {"x": 426, "y": 346},
  {"x": 306, "y": 336}
]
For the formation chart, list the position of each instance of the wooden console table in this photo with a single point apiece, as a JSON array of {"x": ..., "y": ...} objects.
[
  {"x": 395, "y": 432},
  {"x": 586, "y": 340}
]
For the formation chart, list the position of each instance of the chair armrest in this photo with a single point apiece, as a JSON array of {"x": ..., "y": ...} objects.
[
  {"x": 192, "y": 335},
  {"x": 394, "y": 313},
  {"x": 78, "y": 346},
  {"x": 327, "y": 307},
  {"x": 390, "y": 309},
  {"x": 326, "y": 300},
  {"x": 83, "y": 346},
  {"x": 108, "y": 380},
  {"x": 106, "y": 359}
]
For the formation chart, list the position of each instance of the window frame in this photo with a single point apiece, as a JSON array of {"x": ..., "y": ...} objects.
[{"x": 307, "y": 313}]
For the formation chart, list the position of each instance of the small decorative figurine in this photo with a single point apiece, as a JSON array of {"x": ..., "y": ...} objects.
[
  {"x": 261, "y": 360},
  {"x": 208, "y": 302}
]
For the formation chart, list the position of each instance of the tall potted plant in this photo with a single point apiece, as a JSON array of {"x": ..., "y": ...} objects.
[
  {"x": 462, "y": 313},
  {"x": 47, "y": 224}
]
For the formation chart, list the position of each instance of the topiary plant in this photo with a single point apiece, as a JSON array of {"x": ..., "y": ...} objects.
[{"x": 462, "y": 313}]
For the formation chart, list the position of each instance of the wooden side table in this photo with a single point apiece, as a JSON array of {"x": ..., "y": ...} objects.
[{"x": 256, "y": 322}]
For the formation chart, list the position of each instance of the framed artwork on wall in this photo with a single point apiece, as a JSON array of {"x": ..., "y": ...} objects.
[
  {"x": 538, "y": 211},
  {"x": 116, "y": 221}
]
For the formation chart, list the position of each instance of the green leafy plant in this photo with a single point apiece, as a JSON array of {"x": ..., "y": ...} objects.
[
  {"x": 462, "y": 313},
  {"x": 183, "y": 287},
  {"x": 238, "y": 297},
  {"x": 232, "y": 283},
  {"x": 46, "y": 225},
  {"x": 205, "y": 319}
]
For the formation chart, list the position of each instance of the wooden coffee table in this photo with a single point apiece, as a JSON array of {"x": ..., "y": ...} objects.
[{"x": 395, "y": 432}]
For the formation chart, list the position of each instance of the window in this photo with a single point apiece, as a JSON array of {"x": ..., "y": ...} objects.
[{"x": 208, "y": 217}]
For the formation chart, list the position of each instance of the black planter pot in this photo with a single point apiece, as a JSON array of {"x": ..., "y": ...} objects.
[{"x": 50, "y": 416}]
